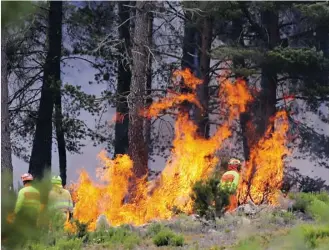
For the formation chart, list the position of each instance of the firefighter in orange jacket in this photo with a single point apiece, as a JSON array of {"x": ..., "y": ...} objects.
[{"x": 230, "y": 182}]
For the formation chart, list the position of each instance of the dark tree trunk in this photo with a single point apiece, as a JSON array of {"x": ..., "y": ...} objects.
[
  {"x": 191, "y": 43},
  {"x": 121, "y": 143},
  {"x": 42, "y": 144},
  {"x": 140, "y": 55},
  {"x": 270, "y": 21},
  {"x": 148, "y": 122},
  {"x": 202, "y": 116},
  {"x": 6, "y": 162}
]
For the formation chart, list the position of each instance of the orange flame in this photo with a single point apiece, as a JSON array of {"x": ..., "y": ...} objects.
[
  {"x": 189, "y": 79},
  {"x": 264, "y": 171},
  {"x": 192, "y": 159}
]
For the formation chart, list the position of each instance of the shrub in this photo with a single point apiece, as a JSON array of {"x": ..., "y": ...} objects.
[
  {"x": 154, "y": 229},
  {"x": 166, "y": 237},
  {"x": 319, "y": 210},
  {"x": 285, "y": 216},
  {"x": 302, "y": 201},
  {"x": 209, "y": 200},
  {"x": 314, "y": 234},
  {"x": 115, "y": 236}
]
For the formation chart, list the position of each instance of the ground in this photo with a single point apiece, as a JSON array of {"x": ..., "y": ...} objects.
[{"x": 225, "y": 232}]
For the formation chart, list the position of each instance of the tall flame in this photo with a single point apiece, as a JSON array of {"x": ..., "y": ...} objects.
[
  {"x": 264, "y": 171},
  {"x": 192, "y": 159}
]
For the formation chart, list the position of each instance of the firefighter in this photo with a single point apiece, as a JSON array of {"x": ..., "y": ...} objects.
[
  {"x": 27, "y": 208},
  {"x": 230, "y": 182},
  {"x": 60, "y": 199}
]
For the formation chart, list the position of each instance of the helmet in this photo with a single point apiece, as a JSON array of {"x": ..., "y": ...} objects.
[
  {"x": 234, "y": 161},
  {"x": 27, "y": 177},
  {"x": 56, "y": 180}
]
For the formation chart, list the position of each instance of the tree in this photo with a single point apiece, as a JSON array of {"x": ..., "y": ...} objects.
[
  {"x": 6, "y": 163},
  {"x": 202, "y": 116},
  {"x": 121, "y": 142},
  {"x": 42, "y": 144},
  {"x": 9, "y": 21},
  {"x": 138, "y": 150}
]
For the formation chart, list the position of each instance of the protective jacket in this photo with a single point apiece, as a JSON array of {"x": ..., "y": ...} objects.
[
  {"x": 230, "y": 181},
  {"x": 60, "y": 199},
  {"x": 28, "y": 200}
]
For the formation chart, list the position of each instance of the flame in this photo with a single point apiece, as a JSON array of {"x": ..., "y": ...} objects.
[
  {"x": 264, "y": 171},
  {"x": 192, "y": 159},
  {"x": 190, "y": 80},
  {"x": 170, "y": 101}
]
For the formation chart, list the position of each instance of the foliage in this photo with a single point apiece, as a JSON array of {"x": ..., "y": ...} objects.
[
  {"x": 115, "y": 237},
  {"x": 314, "y": 204},
  {"x": 304, "y": 184},
  {"x": 13, "y": 11},
  {"x": 166, "y": 237},
  {"x": 154, "y": 229},
  {"x": 208, "y": 199}
]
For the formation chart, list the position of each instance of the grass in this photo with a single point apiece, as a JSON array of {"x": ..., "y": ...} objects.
[{"x": 303, "y": 236}]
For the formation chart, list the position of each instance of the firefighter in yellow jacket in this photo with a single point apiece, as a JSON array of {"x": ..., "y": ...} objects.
[
  {"x": 230, "y": 182},
  {"x": 60, "y": 199},
  {"x": 26, "y": 213},
  {"x": 28, "y": 203}
]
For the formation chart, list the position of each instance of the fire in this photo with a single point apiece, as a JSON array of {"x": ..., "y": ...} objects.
[
  {"x": 192, "y": 159},
  {"x": 264, "y": 171}
]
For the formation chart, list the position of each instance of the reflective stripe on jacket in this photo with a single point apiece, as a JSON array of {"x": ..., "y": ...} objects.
[
  {"x": 28, "y": 197},
  {"x": 230, "y": 180},
  {"x": 60, "y": 199}
]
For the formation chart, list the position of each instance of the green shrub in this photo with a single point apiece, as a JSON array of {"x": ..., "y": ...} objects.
[
  {"x": 209, "y": 200},
  {"x": 302, "y": 201},
  {"x": 323, "y": 196},
  {"x": 166, "y": 237},
  {"x": 285, "y": 216},
  {"x": 314, "y": 234},
  {"x": 316, "y": 205},
  {"x": 115, "y": 236},
  {"x": 319, "y": 210},
  {"x": 154, "y": 229}
]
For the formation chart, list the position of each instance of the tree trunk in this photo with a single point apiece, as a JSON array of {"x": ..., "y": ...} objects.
[
  {"x": 6, "y": 163},
  {"x": 202, "y": 116},
  {"x": 191, "y": 43},
  {"x": 140, "y": 55},
  {"x": 42, "y": 144},
  {"x": 270, "y": 20},
  {"x": 245, "y": 118},
  {"x": 58, "y": 107},
  {"x": 148, "y": 122},
  {"x": 121, "y": 143}
]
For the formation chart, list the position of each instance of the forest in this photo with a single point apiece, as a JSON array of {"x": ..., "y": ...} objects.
[
  {"x": 280, "y": 49},
  {"x": 193, "y": 83}
]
